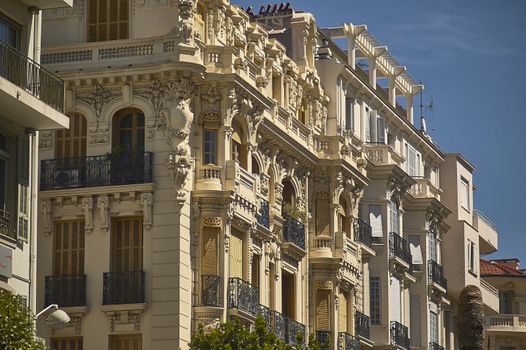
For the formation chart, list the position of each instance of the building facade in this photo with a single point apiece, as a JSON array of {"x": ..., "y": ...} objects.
[
  {"x": 31, "y": 100},
  {"x": 507, "y": 329},
  {"x": 224, "y": 163}
]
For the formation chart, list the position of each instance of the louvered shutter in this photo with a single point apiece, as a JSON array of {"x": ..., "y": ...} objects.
[
  {"x": 343, "y": 309},
  {"x": 209, "y": 260},
  {"x": 322, "y": 217},
  {"x": 236, "y": 255},
  {"x": 322, "y": 310}
]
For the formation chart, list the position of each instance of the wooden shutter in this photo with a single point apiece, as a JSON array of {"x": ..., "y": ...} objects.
[
  {"x": 126, "y": 244},
  {"x": 209, "y": 260},
  {"x": 126, "y": 342},
  {"x": 66, "y": 343},
  {"x": 255, "y": 270},
  {"x": 71, "y": 143},
  {"x": 323, "y": 322},
  {"x": 107, "y": 20},
  {"x": 343, "y": 309},
  {"x": 69, "y": 248},
  {"x": 236, "y": 255},
  {"x": 322, "y": 217}
]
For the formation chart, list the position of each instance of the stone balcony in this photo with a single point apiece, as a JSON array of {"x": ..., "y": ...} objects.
[
  {"x": 424, "y": 188},
  {"x": 382, "y": 154},
  {"x": 506, "y": 324},
  {"x": 490, "y": 295}
]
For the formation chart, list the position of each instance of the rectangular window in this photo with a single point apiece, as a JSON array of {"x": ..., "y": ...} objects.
[
  {"x": 69, "y": 248},
  {"x": 464, "y": 193},
  {"x": 237, "y": 255},
  {"x": 349, "y": 114},
  {"x": 433, "y": 327},
  {"x": 210, "y": 147},
  {"x": 126, "y": 342},
  {"x": 505, "y": 303},
  {"x": 23, "y": 186},
  {"x": 107, "y": 20},
  {"x": 411, "y": 160},
  {"x": 394, "y": 217},
  {"x": 375, "y": 300},
  {"x": 66, "y": 343},
  {"x": 380, "y": 129},
  {"x": 367, "y": 123},
  {"x": 323, "y": 310},
  {"x": 9, "y": 32},
  {"x": 472, "y": 256},
  {"x": 126, "y": 244},
  {"x": 432, "y": 246}
]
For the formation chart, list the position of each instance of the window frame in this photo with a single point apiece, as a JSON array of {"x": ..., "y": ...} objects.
[
  {"x": 107, "y": 23},
  {"x": 375, "y": 300},
  {"x": 464, "y": 183},
  {"x": 209, "y": 157},
  {"x": 11, "y": 24}
]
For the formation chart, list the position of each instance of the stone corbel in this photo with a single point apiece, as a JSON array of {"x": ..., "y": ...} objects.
[
  {"x": 179, "y": 167},
  {"x": 147, "y": 209},
  {"x": 87, "y": 210},
  {"x": 45, "y": 210},
  {"x": 103, "y": 203}
]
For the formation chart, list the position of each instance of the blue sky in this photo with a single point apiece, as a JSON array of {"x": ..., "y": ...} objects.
[{"x": 471, "y": 57}]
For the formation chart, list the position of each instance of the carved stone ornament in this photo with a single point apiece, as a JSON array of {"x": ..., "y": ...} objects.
[
  {"x": 45, "y": 210},
  {"x": 177, "y": 114},
  {"x": 242, "y": 105},
  {"x": 87, "y": 210},
  {"x": 324, "y": 285},
  {"x": 185, "y": 21},
  {"x": 434, "y": 218},
  {"x": 103, "y": 203},
  {"x": 179, "y": 167},
  {"x": 213, "y": 221},
  {"x": 396, "y": 188},
  {"x": 125, "y": 321},
  {"x": 98, "y": 98},
  {"x": 211, "y": 105},
  {"x": 147, "y": 209},
  {"x": 45, "y": 139}
]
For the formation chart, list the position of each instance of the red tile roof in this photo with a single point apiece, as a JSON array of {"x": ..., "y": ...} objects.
[{"x": 499, "y": 268}]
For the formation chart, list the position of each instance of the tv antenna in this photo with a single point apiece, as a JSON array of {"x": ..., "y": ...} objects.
[{"x": 423, "y": 108}]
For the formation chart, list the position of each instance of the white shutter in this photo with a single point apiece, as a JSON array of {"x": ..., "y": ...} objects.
[
  {"x": 395, "y": 299},
  {"x": 367, "y": 122},
  {"x": 380, "y": 129},
  {"x": 416, "y": 249},
  {"x": 375, "y": 220}
]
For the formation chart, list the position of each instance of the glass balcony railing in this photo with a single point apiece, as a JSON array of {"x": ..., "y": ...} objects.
[
  {"x": 123, "y": 287},
  {"x": 67, "y": 290},
  {"x": 94, "y": 171},
  {"x": 31, "y": 77}
]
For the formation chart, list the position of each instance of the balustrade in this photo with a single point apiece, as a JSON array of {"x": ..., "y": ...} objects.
[
  {"x": 435, "y": 346},
  {"x": 4, "y": 222},
  {"x": 264, "y": 214}
]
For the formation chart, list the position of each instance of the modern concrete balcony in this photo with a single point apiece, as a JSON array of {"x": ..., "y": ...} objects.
[
  {"x": 490, "y": 295},
  {"x": 488, "y": 237},
  {"x": 382, "y": 154},
  {"x": 48, "y": 4},
  {"x": 424, "y": 188},
  {"x": 502, "y": 323},
  {"x": 29, "y": 94}
]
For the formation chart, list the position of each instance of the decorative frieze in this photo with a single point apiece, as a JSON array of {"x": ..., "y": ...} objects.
[
  {"x": 103, "y": 203},
  {"x": 87, "y": 210},
  {"x": 147, "y": 209}
]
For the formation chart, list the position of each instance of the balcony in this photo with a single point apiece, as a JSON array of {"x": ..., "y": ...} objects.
[
  {"x": 399, "y": 248},
  {"x": 424, "y": 188},
  {"x": 284, "y": 328},
  {"x": 348, "y": 342},
  {"x": 293, "y": 329},
  {"x": 506, "y": 323},
  {"x": 382, "y": 154},
  {"x": 435, "y": 273},
  {"x": 435, "y": 346},
  {"x": 211, "y": 291},
  {"x": 264, "y": 214},
  {"x": 490, "y": 295},
  {"x": 362, "y": 325},
  {"x": 95, "y": 171},
  {"x": 487, "y": 232},
  {"x": 363, "y": 233},
  {"x": 28, "y": 90},
  {"x": 4, "y": 223},
  {"x": 399, "y": 335},
  {"x": 294, "y": 232},
  {"x": 123, "y": 288},
  {"x": 243, "y": 296},
  {"x": 323, "y": 337},
  {"x": 68, "y": 290}
]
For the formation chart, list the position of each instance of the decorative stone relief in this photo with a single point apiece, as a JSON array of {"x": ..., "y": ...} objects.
[
  {"x": 87, "y": 210},
  {"x": 125, "y": 321},
  {"x": 45, "y": 210},
  {"x": 396, "y": 188},
  {"x": 242, "y": 105},
  {"x": 213, "y": 221},
  {"x": 147, "y": 209},
  {"x": 185, "y": 21},
  {"x": 99, "y": 136},
  {"x": 324, "y": 285},
  {"x": 434, "y": 219},
  {"x": 211, "y": 105},
  {"x": 103, "y": 203},
  {"x": 98, "y": 98},
  {"x": 45, "y": 139}
]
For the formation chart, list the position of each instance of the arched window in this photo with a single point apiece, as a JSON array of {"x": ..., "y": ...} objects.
[
  {"x": 71, "y": 143},
  {"x": 302, "y": 111},
  {"x": 239, "y": 147},
  {"x": 128, "y": 131},
  {"x": 344, "y": 224},
  {"x": 255, "y": 166},
  {"x": 289, "y": 198}
]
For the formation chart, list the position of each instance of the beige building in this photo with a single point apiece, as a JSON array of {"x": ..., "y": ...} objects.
[
  {"x": 507, "y": 329},
  {"x": 225, "y": 163},
  {"x": 31, "y": 100}
]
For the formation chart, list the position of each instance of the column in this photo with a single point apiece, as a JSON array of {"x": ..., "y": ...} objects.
[
  {"x": 372, "y": 71},
  {"x": 409, "y": 107}
]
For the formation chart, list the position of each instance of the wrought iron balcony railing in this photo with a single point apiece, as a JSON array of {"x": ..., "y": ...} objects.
[
  {"x": 67, "y": 290},
  {"x": 399, "y": 335},
  {"x": 362, "y": 325},
  {"x": 363, "y": 233},
  {"x": 242, "y": 296},
  {"x": 435, "y": 273},
  {"x": 293, "y": 329},
  {"x": 323, "y": 337},
  {"x": 279, "y": 323},
  {"x": 264, "y": 218},
  {"x": 4, "y": 222},
  {"x": 31, "y": 76},
  {"x": 93, "y": 171},
  {"x": 435, "y": 346},
  {"x": 294, "y": 232},
  {"x": 398, "y": 247},
  {"x": 211, "y": 290},
  {"x": 284, "y": 328},
  {"x": 348, "y": 342},
  {"x": 123, "y": 287}
]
